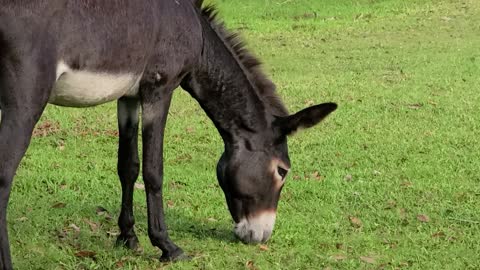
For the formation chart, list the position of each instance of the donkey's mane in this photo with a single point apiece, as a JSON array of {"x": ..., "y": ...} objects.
[{"x": 263, "y": 85}]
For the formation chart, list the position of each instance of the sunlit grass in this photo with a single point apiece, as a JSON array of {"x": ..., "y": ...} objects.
[{"x": 389, "y": 180}]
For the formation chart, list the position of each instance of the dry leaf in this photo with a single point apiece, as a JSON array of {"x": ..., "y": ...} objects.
[
  {"x": 339, "y": 257},
  {"x": 309, "y": 102},
  {"x": 86, "y": 254},
  {"x": 139, "y": 186},
  {"x": 22, "y": 219},
  {"x": 423, "y": 218},
  {"x": 120, "y": 264},
  {"x": 103, "y": 212},
  {"x": 74, "y": 227},
  {"x": 170, "y": 204},
  {"x": 93, "y": 225},
  {"x": 113, "y": 233},
  {"x": 406, "y": 184},
  {"x": 211, "y": 219},
  {"x": 348, "y": 177},
  {"x": 263, "y": 247},
  {"x": 415, "y": 106},
  {"x": 250, "y": 265},
  {"x": 367, "y": 259},
  {"x": 316, "y": 175},
  {"x": 391, "y": 204},
  {"x": 59, "y": 205},
  {"x": 355, "y": 222},
  {"x": 439, "y": 234},
  {"x": 190, "y": 129}
]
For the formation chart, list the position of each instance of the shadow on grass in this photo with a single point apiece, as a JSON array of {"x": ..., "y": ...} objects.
[{"x": 181, "y": 224}]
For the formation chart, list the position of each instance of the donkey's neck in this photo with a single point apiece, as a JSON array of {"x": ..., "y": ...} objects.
[{"x": 222, "y": 86}]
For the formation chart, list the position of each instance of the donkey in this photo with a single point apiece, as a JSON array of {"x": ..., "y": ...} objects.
[{"x": 80, "y": 53}]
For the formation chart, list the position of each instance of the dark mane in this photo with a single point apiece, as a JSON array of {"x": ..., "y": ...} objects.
[{"x": 264, "y": 86}]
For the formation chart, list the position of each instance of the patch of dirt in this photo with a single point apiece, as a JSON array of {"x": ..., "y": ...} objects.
[{"x": 46, "y": 128}]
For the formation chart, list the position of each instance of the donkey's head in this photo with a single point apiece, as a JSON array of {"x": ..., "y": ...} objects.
[{"x": 252, "y": 173}]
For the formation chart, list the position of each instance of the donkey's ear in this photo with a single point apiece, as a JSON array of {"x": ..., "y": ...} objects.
[{"x": 305, "y": 118}]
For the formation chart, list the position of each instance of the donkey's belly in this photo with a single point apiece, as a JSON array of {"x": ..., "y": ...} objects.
[{"x": 75, "y": 88}]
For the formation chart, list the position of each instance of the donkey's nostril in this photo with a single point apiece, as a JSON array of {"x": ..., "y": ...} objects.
[{"x": 266, "y": 236}]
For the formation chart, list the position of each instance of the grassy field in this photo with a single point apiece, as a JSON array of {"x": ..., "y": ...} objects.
[{"x": 389, "y": 181}]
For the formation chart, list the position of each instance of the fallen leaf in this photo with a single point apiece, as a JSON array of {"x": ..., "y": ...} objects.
[
  {"x": 103, "y": 212},
  {"x": 170, "y": 204},
  {"x": 296, "y": 177},
  {"x": 93, "y": 225},
  {"x": 406, "y": 184},
  {"x": 439, "y": 234},
  {"x": 391, "y": 204},
  {"x": 139, "y": 186},
  {"x": 423, "y": 218},
  {"x": 22, "y": 219},
  {"x": 316, "y": 175},
  {"x": 85, "y": 254},
  {"x": 415, "y": 106},
  {"x": 113, "y": 233},
  {"x": 309, "y": 102},
  {"x": 250, "y": 265},
  {"x": 119, "y": 264},
  {"x": 339, "y": 257},
  {"x": 190, "y": 129},
  {"x": 74, "y": 227},
  {"x": 348, "y": 177},
  {"x": 367, "y": 259},
  {"x": 61, "y": 145},
  {"x": 355, "y": 221},
  {"x": 263, "y": 247},
  {"x": 59, "y": 205}
]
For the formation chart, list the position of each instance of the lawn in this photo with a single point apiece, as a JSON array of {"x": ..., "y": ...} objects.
[{"x": 390, "y": 180}]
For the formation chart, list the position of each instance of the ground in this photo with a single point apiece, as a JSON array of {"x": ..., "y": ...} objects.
[{"x": 388, "y": 181}]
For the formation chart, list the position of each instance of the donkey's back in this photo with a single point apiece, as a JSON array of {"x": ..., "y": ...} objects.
[{"x": 97, "y": 51}]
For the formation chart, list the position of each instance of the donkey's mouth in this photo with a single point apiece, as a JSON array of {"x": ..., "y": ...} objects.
[{"x": 256, "y": 229}]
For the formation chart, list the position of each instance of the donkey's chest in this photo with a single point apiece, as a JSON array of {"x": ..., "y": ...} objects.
[{"x": 75, "y": 88}]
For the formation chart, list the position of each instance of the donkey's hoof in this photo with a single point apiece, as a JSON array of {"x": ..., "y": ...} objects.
[
  {"x": 127, "y": 242},
  {"x": 176, "y": 256}
]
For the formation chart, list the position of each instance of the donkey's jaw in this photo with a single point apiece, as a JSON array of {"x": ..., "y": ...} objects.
[{"x": 256, "y": 229}]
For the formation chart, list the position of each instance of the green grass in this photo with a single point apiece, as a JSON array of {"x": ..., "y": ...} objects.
[{"x": 403, "y": 143}]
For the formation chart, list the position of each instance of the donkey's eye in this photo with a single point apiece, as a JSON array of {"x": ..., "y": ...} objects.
[{"x": 282, "y": 172}]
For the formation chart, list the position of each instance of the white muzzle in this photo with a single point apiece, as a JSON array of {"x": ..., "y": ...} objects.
[{"x": 256, "y": 229}]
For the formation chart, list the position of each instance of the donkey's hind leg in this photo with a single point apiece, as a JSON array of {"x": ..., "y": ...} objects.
[
  {"x": 24, "y": 91},
  {"x": 128, "y": 167}
]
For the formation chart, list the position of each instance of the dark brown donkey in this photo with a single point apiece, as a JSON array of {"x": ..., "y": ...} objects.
[{"x": 80, "y": 53}]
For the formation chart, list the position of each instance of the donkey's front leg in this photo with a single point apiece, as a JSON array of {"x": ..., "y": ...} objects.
[
  {"x": 155, "y": 105},
  {"x": 128, "y": 167}
]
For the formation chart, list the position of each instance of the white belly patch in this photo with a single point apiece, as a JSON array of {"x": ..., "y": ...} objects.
[{"x": 84, "y": 88}]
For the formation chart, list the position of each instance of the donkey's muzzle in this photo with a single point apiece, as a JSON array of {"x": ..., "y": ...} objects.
[{"x": 255, "y": 229}]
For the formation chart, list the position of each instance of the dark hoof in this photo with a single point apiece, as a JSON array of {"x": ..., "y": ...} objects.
[
  {"x": 175, "y": 256},
  {"x": 127, "y": 242}
]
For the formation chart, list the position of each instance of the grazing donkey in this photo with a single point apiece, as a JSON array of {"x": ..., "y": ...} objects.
[{"x": 80, "y": 53}]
